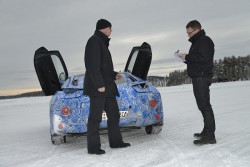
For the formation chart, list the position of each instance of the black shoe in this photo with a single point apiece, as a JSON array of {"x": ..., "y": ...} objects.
[
  {"x": 200, "y": 134},
  {"x": 122, "y": 145},
  {"x": 98, "y": 152},
  {"x": 205, "y": 140}
]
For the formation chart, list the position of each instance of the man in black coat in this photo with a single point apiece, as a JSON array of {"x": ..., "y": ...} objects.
[
  {"x": 100, "y": 86},
  {"x": 199, "y": 62}
]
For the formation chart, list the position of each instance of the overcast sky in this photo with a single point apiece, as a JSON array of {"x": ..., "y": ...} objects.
[{"x": 66, "y": 26}]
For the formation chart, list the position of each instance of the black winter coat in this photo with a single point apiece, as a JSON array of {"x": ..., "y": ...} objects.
[
  {"x": 99, "y": 67},
  {"x": 200, "y": 59}
]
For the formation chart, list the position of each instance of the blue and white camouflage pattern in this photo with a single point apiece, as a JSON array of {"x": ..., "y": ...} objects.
[{"x": 139, "y": 106}]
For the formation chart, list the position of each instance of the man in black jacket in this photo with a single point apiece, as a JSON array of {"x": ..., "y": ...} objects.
[
  {"x": 199, "y": 62},
  {"x": 100, "y": 86}
]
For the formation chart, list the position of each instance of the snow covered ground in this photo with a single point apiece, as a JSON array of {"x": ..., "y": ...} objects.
[{"x": 25, "y": 140}]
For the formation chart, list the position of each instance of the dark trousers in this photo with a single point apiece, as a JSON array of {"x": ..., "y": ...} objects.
[
  {"x": 97, "y": 106},
  {"x": 202, "y": 96}
]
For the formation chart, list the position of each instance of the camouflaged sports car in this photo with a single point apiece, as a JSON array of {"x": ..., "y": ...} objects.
[{"x": 139, "y": 102}]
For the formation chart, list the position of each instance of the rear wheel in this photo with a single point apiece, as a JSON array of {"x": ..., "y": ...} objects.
[
  {"x": 153, "y": 129},
  {"x": 64, "y": 139},
  {"x": 148, "y": 129},
  {"x": 56, "y": 140}
]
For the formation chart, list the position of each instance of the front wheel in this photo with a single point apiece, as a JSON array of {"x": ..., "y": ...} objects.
[
  {"x": 56, "y": 140},
  {"x": 153, "y": 129}
]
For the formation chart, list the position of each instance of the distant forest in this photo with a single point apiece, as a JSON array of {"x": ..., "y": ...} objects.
[{"x": 226, "y": 69}]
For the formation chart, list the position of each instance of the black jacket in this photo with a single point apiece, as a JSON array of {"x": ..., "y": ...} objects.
[
  {"x": 99, "y": 67},
  {"x": 200, "y": 58}
]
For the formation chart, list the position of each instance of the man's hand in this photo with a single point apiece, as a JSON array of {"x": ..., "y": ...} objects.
[
  {"x": 102, "y": 89},
  {"x": 118, "y": 77}
]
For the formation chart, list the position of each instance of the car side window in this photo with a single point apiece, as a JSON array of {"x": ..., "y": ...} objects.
[
  {"x": 59, "y": 68},
  {"x": 132, "y": 61}
]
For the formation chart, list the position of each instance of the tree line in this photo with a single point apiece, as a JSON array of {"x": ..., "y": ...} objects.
[{"x": 226, "y": 69}]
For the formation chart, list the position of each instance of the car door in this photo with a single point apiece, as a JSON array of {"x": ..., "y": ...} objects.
[
  {"x": 50, "y": 69},
  {"x": 139, "y": 61}
]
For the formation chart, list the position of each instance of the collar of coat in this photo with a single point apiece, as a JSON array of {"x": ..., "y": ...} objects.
[
  {"x": 197, "y": 35},
  {"x": 103, "y": 37}
]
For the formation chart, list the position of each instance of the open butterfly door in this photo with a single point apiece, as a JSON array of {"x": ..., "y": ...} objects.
[{"x": 50, "y": 69}]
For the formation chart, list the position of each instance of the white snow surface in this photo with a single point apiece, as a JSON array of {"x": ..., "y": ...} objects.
[{"x": 25, "y": 136}]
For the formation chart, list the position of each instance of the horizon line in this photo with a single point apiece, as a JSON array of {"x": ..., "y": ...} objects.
[{"x": 12, "y": 92}]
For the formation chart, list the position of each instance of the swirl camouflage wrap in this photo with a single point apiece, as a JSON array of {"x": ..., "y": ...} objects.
[{"x": 139, "y": 103}]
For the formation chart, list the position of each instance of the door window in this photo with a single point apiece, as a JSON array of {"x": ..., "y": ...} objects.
[
  {"x": 59, "y": 68},
  {"x": 132, "y": 61}
]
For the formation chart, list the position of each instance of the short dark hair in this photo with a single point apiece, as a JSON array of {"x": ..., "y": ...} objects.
[
  {"x": 103, "y": 23},
  {"x": 194, "y": 24}
]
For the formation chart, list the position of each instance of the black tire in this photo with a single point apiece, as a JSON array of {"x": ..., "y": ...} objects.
[
  {"x": 52, "y": 140},
  {"x": 56, "y": 140},
  {"x": 64, "y": 139},
  {"x": 149, "y": 129}
]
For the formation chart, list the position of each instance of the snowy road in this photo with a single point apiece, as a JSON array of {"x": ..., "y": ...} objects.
[{"x": 25, "y": 141}]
